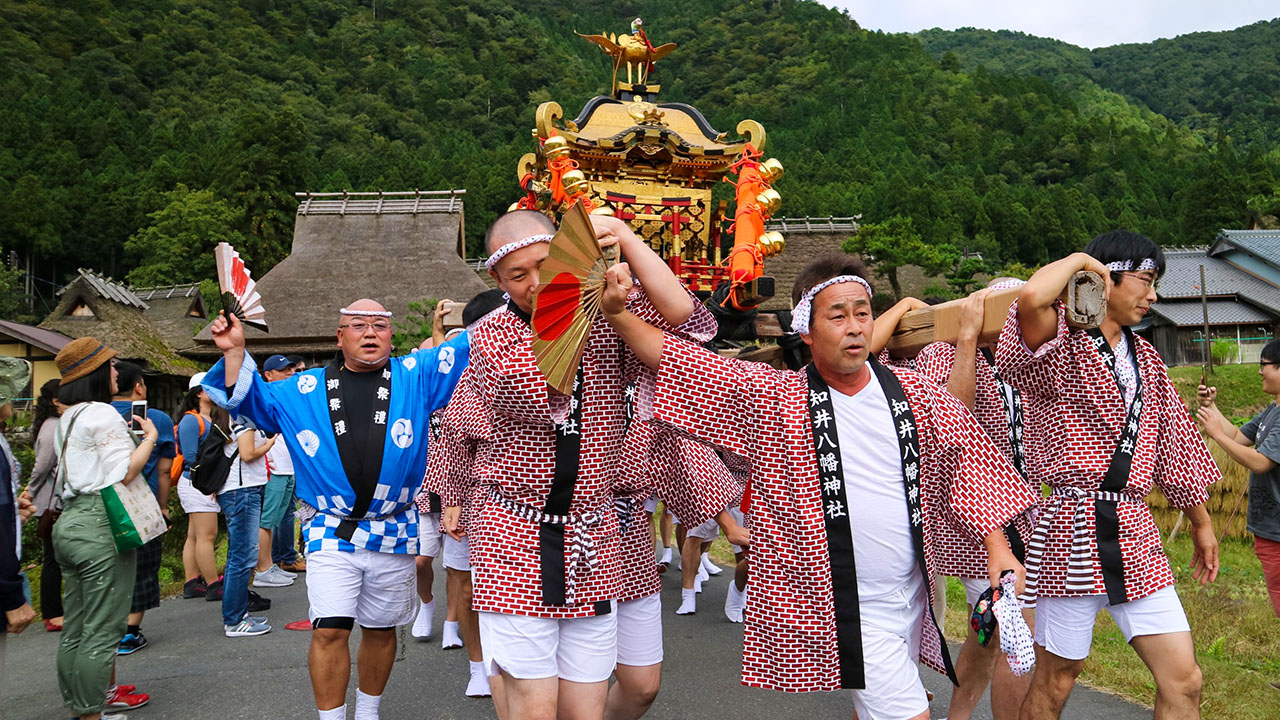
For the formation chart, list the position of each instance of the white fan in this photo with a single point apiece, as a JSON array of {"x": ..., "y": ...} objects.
[{"x": 239, "y": 291}]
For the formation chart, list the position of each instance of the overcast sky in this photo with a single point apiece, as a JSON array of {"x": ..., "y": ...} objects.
[{"x": 1088, "y": 23}]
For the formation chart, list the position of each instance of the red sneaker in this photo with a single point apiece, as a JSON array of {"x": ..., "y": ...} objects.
[
  {"x": 126, "y": 688},
  {"x": 121, "y": 699}
]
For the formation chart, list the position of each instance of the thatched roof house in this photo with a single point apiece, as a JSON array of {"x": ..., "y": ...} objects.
[
  {"x": 396, "y": 248},
  {"x": 176, "y": 312},
  {"x": 95, "y": 305}
]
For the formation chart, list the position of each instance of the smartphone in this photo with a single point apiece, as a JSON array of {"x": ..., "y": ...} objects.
[{"x": 140, "y": 410}]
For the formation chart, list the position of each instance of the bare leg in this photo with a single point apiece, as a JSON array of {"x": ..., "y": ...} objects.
[
  {"x": 264, "y": 550},
  {"x": 582, "y": 701},
  {"x": 499, "y": 697},
  {"x": 665, "y": 528},
  {"x": 329, "y": 661},
  {"x": 468, "y": 620},
  {"x": 206, "y": 525},
  {"x": 452, "y": 599},
  {"x": 740, "y": 571},
  {"x": 1171, "y": 657},
  {"x": 426, "y": 576},
  {"x": 374, "y": 659},
  {"x": 1051, "y": 685},
  {"x": 634, "y": 692},
  {"x": 690, "y": 560},
  {"x": 1008, "y": 690},
  {"x": 529, "y": 699},
  {"x": 974, "y": 668},
  {"x": 189, "y": 567}
]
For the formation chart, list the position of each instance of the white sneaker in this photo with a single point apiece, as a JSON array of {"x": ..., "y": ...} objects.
[
  {"x": 710, "y": 566},
  {"x": 450, "y": 638},
  {"x": 734, "y": 603},
  {"x": 247, "y": 627},
  {"x": 422, "y": 625},
  {"x": 281, "y": 571},
  {"x": 270, "y": 578},
  {"x": 688, "y": 602},
  {"x": 478, "y": 686}
]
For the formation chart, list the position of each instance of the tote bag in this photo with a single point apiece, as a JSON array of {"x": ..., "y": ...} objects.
[{"x": 132, "y": 510}]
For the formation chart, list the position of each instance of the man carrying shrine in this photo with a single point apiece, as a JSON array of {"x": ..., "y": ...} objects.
[
  {"x": 356, "y": 430},
  {"x": 851, "y": 464},
  {"x": 967, "y": 370},
  {"x": 544, "y": 543},
  {"x": 1104, "y": 425}
]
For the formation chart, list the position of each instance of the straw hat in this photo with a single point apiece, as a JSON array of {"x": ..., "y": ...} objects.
[{"x": 80, "y": 357}]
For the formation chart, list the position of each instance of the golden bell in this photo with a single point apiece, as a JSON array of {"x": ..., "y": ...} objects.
[
  {"x": 555, "y": 147},
  {"x": 603, "y": 210},
  {"x": 774, "y": 241},
  {"x": 771, "y": 169},
  {"x": 769, "y": 200},
  {"x": 574, "y": 182}
]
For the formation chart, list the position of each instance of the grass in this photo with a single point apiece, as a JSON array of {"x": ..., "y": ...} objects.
[{"x": 1240, "y": 395}]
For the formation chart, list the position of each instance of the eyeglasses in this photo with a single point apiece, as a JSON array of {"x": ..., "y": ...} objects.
[
  {"x": 359, "y": 328},
  {"x": 1151, "y": 281},
  {"x": 1265, "y": 363}
]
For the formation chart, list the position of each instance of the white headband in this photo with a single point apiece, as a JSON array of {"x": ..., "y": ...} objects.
[
  {"x": 509, "y": 248},
  {"x": 370, "y": 313},
  {"x": 804, "y": 308},
  {"x": 1127, "y": 265}
]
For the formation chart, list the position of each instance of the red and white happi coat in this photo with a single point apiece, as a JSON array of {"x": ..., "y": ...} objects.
[
  {"x": 686, "y": 475},
  {"x": 515, "y": 457},
  {"x": 1074, "y": 416},
  {"x": 761, "y": 414},
  {"x": 957, "y": 554},
  {"x": 448, "y": 475}
]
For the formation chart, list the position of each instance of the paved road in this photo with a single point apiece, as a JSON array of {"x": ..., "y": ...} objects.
[{"x": 192, "y": 671}]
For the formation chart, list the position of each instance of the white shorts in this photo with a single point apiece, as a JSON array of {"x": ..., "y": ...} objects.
[
  {"x": 651, "y": 504},
  {"x": 191, "y": 499},
  {"x": 457, "y": 554},
  {"x": 640, "y": 631},
  {"x": 1064, "y": 625},
  {"x": 378, "y": 589},
  {"x": 737, "y": 516},
  {"x": 706, "y": 532},
  {"x": 582, "y": 650},
  {"x": 429, "y": 534},
  {"x": 891, "y": 631},
  {"x": 973, "y": 587}
]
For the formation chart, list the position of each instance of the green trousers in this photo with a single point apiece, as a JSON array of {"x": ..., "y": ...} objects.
[{"x": 99, "y": 590}]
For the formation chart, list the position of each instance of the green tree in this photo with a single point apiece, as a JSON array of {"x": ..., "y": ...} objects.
[
  {"x": 177, "y": 244},
  {"x": 893, "y": 243},
  {"x": 415, "y": 327}
]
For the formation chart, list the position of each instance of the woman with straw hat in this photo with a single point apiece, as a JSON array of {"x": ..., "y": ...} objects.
[{"x": 95, "y": 452}]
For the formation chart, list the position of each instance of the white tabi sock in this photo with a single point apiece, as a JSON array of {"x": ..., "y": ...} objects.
[
  {"x": 450, "y": 638},
  {"x": 367, "y": 706},
  {"x": 710, "y": 566},
  {"x": 688, "y": 602},
  {"x": 666, "y": 555},
  {"x": 479, "y": 684},
  {"x": 338, "y": 713},
  {"x": 422, "y": 625},
  {"x": 734, "y": 601}
]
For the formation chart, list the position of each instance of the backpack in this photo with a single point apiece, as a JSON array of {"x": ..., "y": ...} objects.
[
  {"x": 212, "y": 466},
  {"x": 175, "y": 471}
]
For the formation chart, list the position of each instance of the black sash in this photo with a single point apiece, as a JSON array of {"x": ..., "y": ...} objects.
[
  {"x": 1013, "y": 411},
  {"x": 434, "y": 423},
  {"x": 844, "y": 579},
  {"x": 560, "y": 497},
  {"x": 361, "y": 465},
  {"x": 1117, "y": 477}
]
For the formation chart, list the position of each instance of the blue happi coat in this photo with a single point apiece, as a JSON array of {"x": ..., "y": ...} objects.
[{"x": 297, "y": 408}]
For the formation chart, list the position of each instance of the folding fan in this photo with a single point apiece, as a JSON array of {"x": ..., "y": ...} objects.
[
  {"x": 568, "y": 300},
  {"x": 239, "y": 293}
]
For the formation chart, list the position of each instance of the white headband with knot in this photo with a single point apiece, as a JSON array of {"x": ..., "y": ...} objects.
[
  {"x": 509, "y": 248},
  {"x": 804, "y": 309},
  {"x": 370, "y": 313},
  {"x": 1127, "y": 265}
]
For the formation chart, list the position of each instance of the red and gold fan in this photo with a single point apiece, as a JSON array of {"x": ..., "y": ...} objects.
[
  {"x": 568, "y": 300},
  {"x": 239, "y": 292}
]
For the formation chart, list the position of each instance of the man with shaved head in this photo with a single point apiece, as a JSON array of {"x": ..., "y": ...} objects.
[{"x": 357, "y": 433}]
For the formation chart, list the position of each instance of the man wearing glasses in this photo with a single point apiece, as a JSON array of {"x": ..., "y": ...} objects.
[
  {"x": 357, "y": 434},
  {"x": 1103, "y": 425}
]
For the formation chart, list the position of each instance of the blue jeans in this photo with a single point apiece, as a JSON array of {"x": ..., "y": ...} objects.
[
  {"x": 283, "y": 540},
  {"x": 242, "y": 508}
]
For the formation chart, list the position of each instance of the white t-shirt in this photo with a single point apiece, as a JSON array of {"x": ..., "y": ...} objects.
[
  {"x": 244, "y": 474},
  {"x": 278, "y": 456},
  {"x": 98, "y": 450},
  {"x": 884, "y": 555}
]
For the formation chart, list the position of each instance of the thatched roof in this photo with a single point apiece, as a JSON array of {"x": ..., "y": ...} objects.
[
  {"x": 95, "y": 305},
  {"x": 354, "y": 246},
  {"x": 177, "y": 312}
]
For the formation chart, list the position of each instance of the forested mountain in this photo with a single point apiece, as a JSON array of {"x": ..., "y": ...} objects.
[
  {"x": 133, "y": 136},
  {"x": 1208, "y": 81}
]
